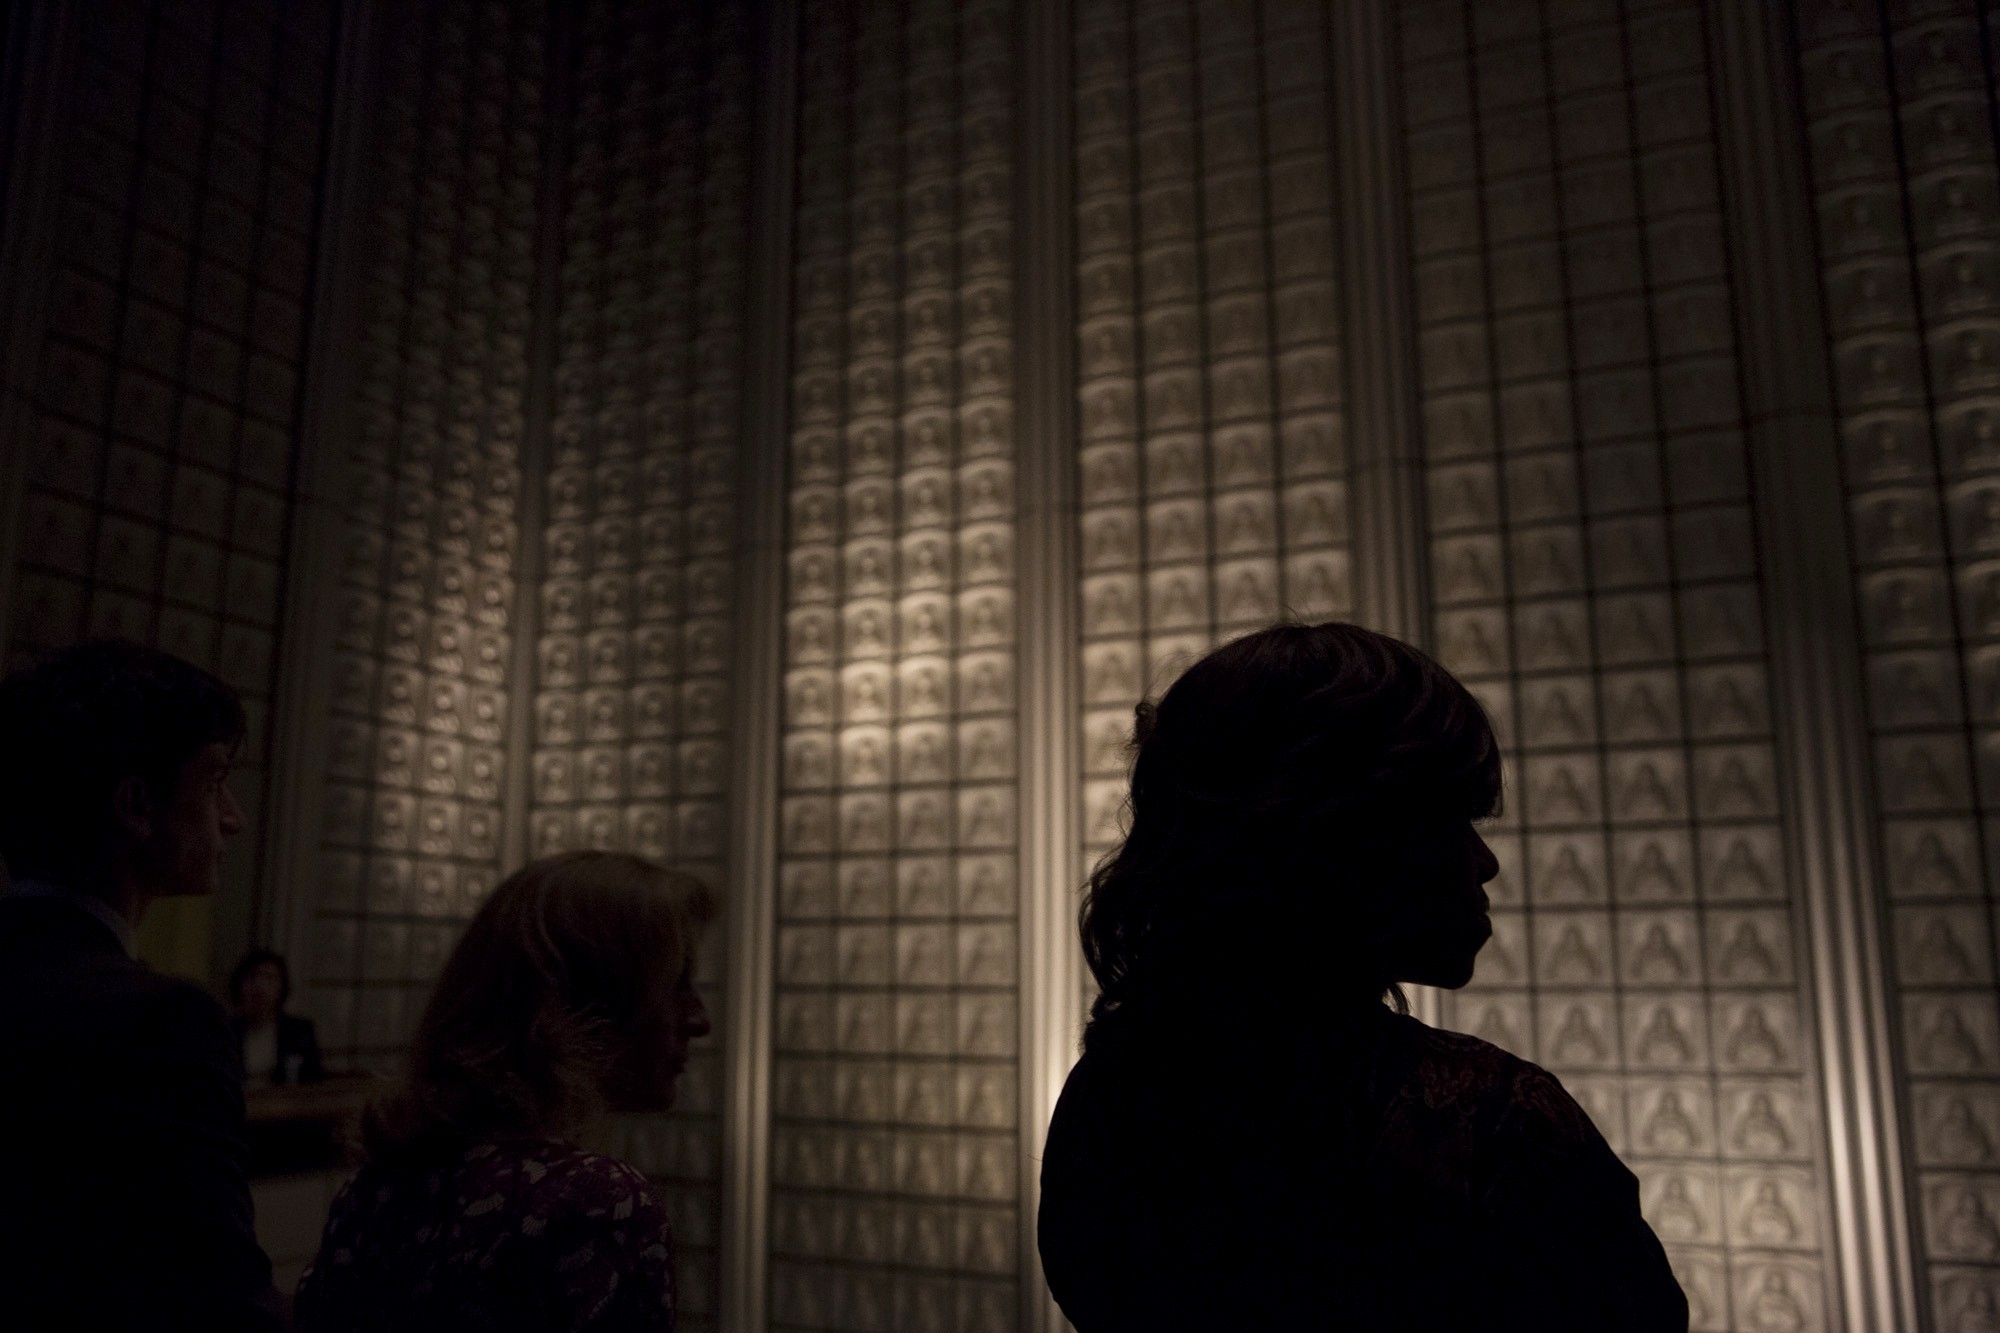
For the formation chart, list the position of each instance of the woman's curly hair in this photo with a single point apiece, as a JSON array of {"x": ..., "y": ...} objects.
[
  {"x": 1266, "y": 785},
  {"x": 535, "y": 1007}
]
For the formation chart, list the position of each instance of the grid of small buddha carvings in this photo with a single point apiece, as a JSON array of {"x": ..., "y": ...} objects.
[
  {"x": 632, "y": 660},
  {"x": 1902, "y": 157},
  {"x": 1595, "y": 583},
  {"x": 1212, "y": 467},
  {"x": 167, "y": 393},
  {"x": 411, "y": 818},
  {"x": 894, "y": 1140}
]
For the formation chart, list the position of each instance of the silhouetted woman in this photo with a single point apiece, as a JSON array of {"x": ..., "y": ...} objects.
[
  {"x": 569, "y": 995},
  {"x": 1254, "y": 1139}
]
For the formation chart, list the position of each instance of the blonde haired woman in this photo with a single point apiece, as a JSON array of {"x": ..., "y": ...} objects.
[{"x": 569, "y": 995}]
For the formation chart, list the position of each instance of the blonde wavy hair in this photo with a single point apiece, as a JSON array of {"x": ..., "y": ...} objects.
[{"x": 537, "y": 1006}]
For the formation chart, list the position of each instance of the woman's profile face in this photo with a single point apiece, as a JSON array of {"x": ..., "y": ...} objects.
[
  {"x": 658, "y": 1051},
  {"x": 1437, "y": 921}
]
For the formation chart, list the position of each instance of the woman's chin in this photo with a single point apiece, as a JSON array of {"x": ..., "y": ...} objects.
[
  {"x": 1449, "y": 973},
  {"x": 651, "y": 1101},
  {"x": 1456, "y": 979}
]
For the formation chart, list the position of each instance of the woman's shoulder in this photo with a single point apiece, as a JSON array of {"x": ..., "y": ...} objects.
[
  {"x": 562, "y": 1179},
  {"x": 1465, "y": 1061},
  {"x": 549, "y": 1179},
  {"x": 1451, "y": 1071}
]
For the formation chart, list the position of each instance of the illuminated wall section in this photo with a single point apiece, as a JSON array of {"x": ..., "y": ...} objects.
[
  {"x": 893, "y": 1139},
  {"x": 1212, "y": 472},
  {"x": 632, "y": 661},
  {"x": 1898, "y": 105},
  {"x": 160, "y": 440},
  {"x": 411, "y": 823},
  {"x": 1594, "y": 577}
]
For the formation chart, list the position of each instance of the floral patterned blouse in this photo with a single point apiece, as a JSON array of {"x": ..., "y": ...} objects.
[{"x": 513, "y": 1235}]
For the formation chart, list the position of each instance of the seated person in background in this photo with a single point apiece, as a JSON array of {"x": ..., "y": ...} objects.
[
  {"x": 123, "y": 1203},
  {"x": 570, "y": 994},
  {"x": 278, "y": 1048},
  {"x": 1253, "y": 1139}
]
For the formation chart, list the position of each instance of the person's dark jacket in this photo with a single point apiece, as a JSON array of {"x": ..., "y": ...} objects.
[
  {"x": 123, "y": 1202},
  {"x": 1384, "y": 1176},
  {"x": 298, "y": 1049}
]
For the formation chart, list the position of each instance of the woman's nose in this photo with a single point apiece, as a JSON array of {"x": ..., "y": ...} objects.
[{"x": 1489, "y": 864}]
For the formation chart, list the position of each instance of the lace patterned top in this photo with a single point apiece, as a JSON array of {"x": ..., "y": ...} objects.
[
  {"x": 512, "y": 1235},
  {"x": 1395, "y": 1176}
]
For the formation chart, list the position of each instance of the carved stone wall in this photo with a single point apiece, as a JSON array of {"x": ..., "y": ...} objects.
[
  {"x": 1595, "y": 581},
  {"x": 893, "y": 1137},
  {"x": 411, "y": 821},
  {"x": 637, "y": 561},
  {"x": 1902, "y": 154},
  {"x": 1212, "y": 468},
  {"x": 159, "y": 440},
  {"x": 552, "y": 232}
]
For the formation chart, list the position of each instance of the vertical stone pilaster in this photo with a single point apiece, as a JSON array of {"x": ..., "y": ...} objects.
[
  {"x": 753, "y": 830},
  {"x": 299, "y": 717},
  {"x": 1045, "y": 453},
  {"x": 1815, "y": 653},
  {"x": 538, "y": 411},
  {"x": 1385, "y": 450},
  {"x": 1383, "y": 441}
]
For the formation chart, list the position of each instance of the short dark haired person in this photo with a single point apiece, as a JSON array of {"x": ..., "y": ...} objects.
[
  {"x": 278, "y": 1048},
  {"x": 1253, "y": 1138},
  {"x": 123, "y": 1203}
]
